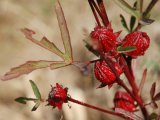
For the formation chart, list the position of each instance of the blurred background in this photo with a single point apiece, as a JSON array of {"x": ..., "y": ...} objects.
[{"x": 15, "y": 49}]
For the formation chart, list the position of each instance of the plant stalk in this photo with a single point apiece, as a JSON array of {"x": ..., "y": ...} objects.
[
  {"x": 94, "y": 12},
  {"x": 95, "y": 108},
  {"x": 150, "y": 6},
  {"x": 134, "y": 88},
  {"x": 103, "y": 12}
]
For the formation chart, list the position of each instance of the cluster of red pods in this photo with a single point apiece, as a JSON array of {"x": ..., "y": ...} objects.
[{"x": 105, "y": 41}]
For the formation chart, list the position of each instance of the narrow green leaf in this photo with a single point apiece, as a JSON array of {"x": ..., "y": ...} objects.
[
  {"x": 45, "y": 43},
  {"x": 27, "y": 68},
  {"x": 23, "y": 100},
  {"x": 126, "y": 49},
  {"x": 64, "y": 30},
  {"x": 132, "y": 23},
  {"x": 123, "y": 21},
  {"x": 36, "y": 106},
  {"x": 126, "y": 7},
  {"x": 35, "y": 90}
]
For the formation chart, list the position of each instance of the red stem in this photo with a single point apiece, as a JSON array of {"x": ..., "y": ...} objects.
[
  {"x": 100, "y": 10},
  {"x": 134, "y": 87},
  {"x": 135, "y": 96},
  {"x": 103, "y": 12},
  {"x": 97, "y": 9},
  {"x": 94, "y": 12},
  {"x": 129, "y": 76},
  {"x": 95, "y": 108}
]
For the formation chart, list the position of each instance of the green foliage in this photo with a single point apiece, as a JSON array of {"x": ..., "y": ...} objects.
[
  {"x": 35, "y": 90},
  {"x": 124, "y": 23},
  {"x": 126, "y": 49},
  {"x": 23, "y": 100},
  {"x": 36, "y": 105},
  {"x": 132, "y": 23},
  {"x": 37, "y": 100}
]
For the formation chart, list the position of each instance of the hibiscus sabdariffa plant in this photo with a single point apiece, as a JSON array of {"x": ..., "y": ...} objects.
[{"x": 115, "y": 57}]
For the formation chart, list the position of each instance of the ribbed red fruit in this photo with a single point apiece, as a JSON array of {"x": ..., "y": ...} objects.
[
  {"x": 104, "y": 40},
  {"x": 57, "y": 96},
  {"x": 138, "y": 39},
  {"x": 104, "y": 74},
  {"x": 124, "y": 101}
]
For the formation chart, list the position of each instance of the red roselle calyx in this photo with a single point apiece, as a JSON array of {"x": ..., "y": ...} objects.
[
  {"x": 104, "y": 40},
  {"x": 124, "y": 101},
  {"x": 138, "y": 39},
  {"x": 104, "y": 73},
  {"x": 57, "y": 96}
]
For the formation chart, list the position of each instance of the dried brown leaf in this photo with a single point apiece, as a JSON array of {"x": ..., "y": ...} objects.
[
  {"x": 44, "y": 42},
  {"x": 157, "y": 97},
  {"x": 153, "y": 89},
  {"x": 29, "y": 67},
  {"x": 142, "y": 81},
  {"x": 128, "y": 114},
  {"x": 64, "y": 30}
]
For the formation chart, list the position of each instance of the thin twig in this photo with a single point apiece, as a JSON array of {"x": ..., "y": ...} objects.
[
  {"x": 103, "y": 12},
  {"x": 95, "y": 108},
  {"x": 94, "y": 12},
  {"x": 150, "y": 6}
]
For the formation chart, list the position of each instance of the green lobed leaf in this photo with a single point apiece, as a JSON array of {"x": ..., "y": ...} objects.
[
  {"x": 126, "y": 49},
  {"x": 35, "y": 90},
  {"x": 45, "y": 43},
  {"x": 23, "y": 100},
  {"x": 64, "y": 31},
  {"x": 123, "y": 21},
  {"x": 36, "y": 105}
]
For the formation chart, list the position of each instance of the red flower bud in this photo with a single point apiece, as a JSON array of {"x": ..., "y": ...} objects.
[
  {"x": 104, "y": 40},
  {"x": 104, "y": 74},
  {"x": 124, "y": 101},
  {"x": 57, "y": 96},
  {"x": 138, "y": 39}
]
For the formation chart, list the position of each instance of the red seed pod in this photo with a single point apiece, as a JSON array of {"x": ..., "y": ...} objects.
[
  {"x": 57, "y": 96},
  {"x": 124, "y": 101},
  {"x": 104, "y": 40},
  {"x": 138, "y": 39},
  {"x": 104, "y": 74}
]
